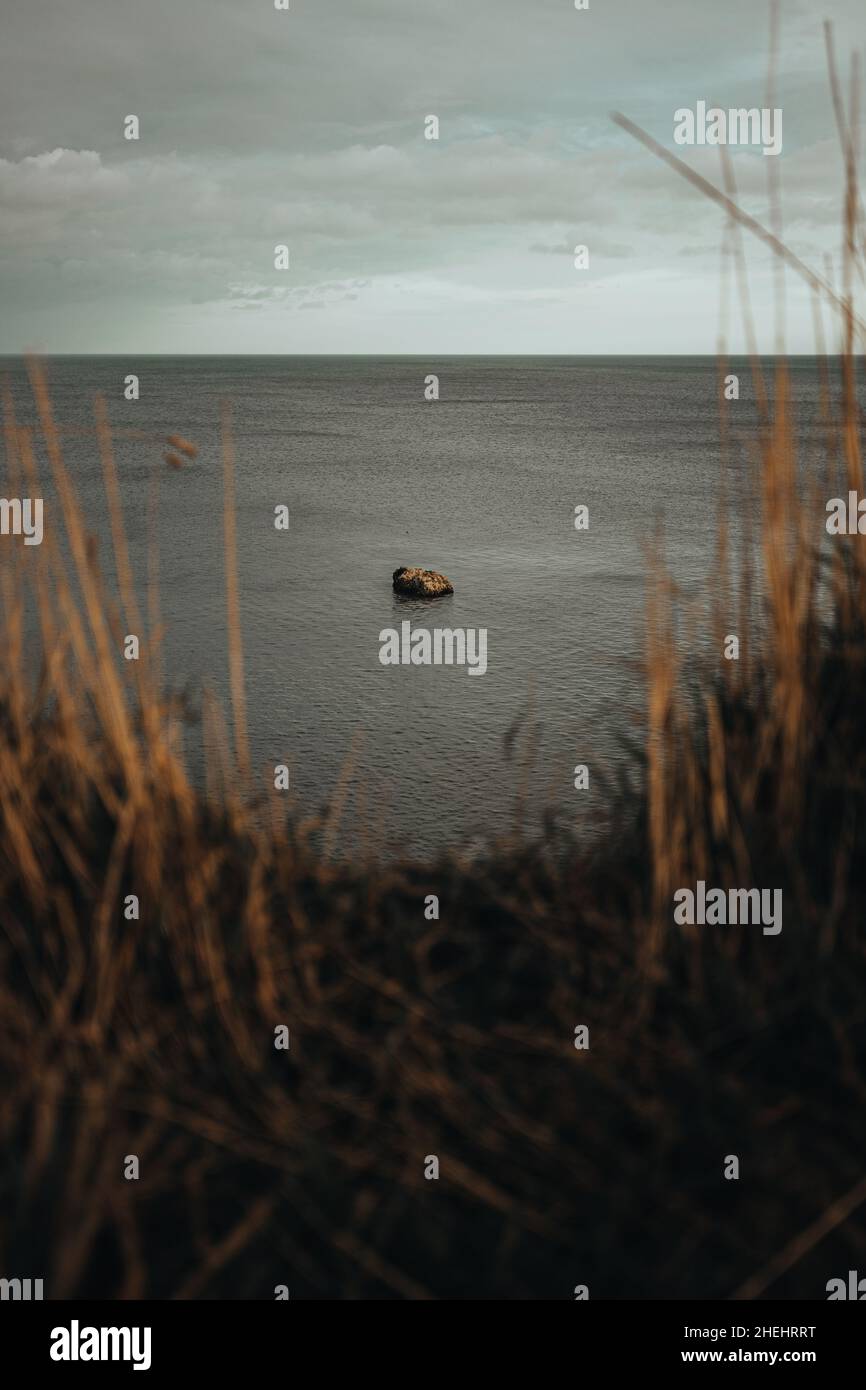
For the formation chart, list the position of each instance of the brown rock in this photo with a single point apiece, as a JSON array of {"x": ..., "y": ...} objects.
[{"x": 416, "y": 583}]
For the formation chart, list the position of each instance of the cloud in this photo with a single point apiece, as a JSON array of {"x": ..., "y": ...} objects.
[
  {"x": 260, "y": 127},
  {"x": 57, "y": 176}
]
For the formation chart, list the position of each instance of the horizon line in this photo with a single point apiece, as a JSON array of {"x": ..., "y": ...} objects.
[{"x": 425, "y": 356}]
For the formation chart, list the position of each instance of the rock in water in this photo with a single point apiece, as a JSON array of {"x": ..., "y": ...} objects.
[{"x": 417, "y": 583}]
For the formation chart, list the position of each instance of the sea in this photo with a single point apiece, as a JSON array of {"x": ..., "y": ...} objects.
[{"x": 481, "y": 484}]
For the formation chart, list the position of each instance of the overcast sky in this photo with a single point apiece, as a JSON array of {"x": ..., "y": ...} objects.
[{"x": 306, "y": 127}]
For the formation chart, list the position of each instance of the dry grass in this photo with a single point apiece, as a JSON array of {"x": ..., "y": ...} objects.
[{"x": 154, "y": 1036}]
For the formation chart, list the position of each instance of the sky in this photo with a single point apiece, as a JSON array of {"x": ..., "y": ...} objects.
[{"x": 261, "y": 127}]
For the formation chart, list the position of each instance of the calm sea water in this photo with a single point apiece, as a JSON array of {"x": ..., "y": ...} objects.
[{"x": 481, "y": 485}]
